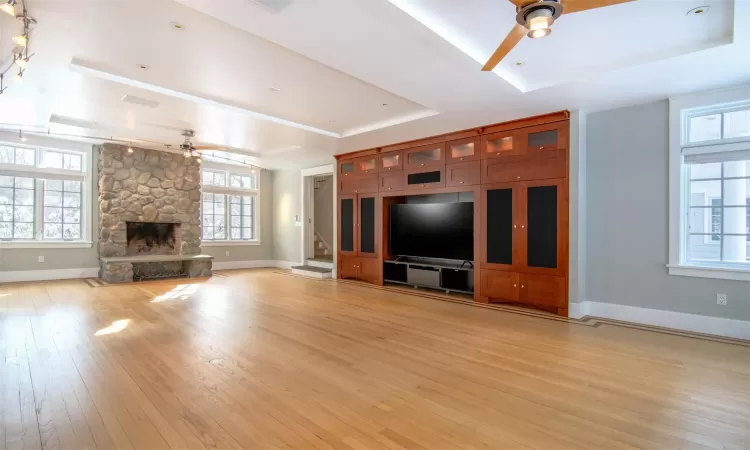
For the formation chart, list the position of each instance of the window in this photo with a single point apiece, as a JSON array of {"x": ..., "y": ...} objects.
[
  {"x": 710, "y": 185},
  {"x": 43, "y": 197},
  {"x": 229, "y": 207}
]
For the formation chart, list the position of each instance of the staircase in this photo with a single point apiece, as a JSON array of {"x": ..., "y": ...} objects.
[{"x": 321, "y": 266}]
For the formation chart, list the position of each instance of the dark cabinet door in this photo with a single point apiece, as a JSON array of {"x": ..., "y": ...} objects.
[
  {"x": 367, "y": 225},
  {"x": 499, "y": 213},
  {"x": 347, "y": 224},
  {"x": 544, "y": 226}
]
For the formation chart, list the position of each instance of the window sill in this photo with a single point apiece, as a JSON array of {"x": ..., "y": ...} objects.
[
  {"x": 46, "y": 244},
  {"x": 721, "y": 273},
  {"x": 228, "y": 243}
]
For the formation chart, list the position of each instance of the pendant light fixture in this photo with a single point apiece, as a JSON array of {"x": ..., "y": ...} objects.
[
  {"x": 8, "y": 7},
  {"x": 20, "y": 59}
]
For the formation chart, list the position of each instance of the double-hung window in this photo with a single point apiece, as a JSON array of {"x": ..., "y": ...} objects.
[
  {"x": 44, "y": 197},
  {"x": 231, "y": 193},
  {"x": 710, "y": 186}
]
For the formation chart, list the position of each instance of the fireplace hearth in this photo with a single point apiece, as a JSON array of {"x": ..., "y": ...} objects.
[{"x": 153, "y": 238}]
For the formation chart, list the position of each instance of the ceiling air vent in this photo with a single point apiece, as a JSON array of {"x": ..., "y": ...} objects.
[
  {"x": 273, "y": 5},
  {"x": 140, "y": 101}
]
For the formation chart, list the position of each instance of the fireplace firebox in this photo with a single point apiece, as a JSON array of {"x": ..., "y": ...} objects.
[{"x": 153, "y": 238}]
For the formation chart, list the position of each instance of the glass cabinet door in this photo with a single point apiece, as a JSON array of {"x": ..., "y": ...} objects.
[
  {"x": 366, "y": 225},
  {"x": 366, "y": 165},
  {"x": 347, "y": 224},
  {"x": 390, "y": 161},
  {"x": 462, "y": 150},
  {"x": 346, "y": 168},
  {"x": 500, "y": 207},
  {"x": 499, "y": 144},
  {"x": 542, "y": 226},
  {"x": 542, "y": 140},
  {"x": 425, "y": 156}
]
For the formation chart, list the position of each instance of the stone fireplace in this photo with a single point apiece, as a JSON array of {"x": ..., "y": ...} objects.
[{"x": 149, "y": 215}]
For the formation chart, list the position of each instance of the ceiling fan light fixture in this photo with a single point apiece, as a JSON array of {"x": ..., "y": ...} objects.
[{"x": 539, "y": 23}]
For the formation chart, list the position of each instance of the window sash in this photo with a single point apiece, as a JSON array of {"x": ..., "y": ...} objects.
[{"x": 247, "y": 221}]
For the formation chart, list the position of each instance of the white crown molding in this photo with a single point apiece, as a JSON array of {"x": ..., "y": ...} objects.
[{"x": 718, "y": 326}]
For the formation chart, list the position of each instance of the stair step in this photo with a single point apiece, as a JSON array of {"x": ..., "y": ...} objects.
[
  {"x": 323, "y": 262},
  {"x": 313, "y": 272}
]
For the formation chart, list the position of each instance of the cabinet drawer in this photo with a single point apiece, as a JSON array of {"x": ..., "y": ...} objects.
[
  {"x": 499, "y": 285},
  {"x": 348, "y": 267},
  {"x": 540, "y": 166},
  {"x": 545, "y": 166},
  {"x": 503, "y": 169},
  {"x": 424, "y": 178},
  {"x": 359, "y": 184},
  {"x": 462, "y": 174},
  {"x": 391, "y": 181},
  {"x": 543, "y": 290}
]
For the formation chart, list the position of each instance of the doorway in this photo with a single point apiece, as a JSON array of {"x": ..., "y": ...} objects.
[{"x": 319, "y": 212}]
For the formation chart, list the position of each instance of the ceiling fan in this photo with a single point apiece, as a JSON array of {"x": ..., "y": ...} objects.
[
  {"x": 535, "y": 19},
  {"x": 189, "y": 150}
]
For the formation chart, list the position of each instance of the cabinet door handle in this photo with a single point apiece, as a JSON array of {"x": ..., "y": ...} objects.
[
  {"x": 423, "y": 185},
  {"x": 356, "y": 190},
  {"x": 541, "y": 148},
  {"x": 389, "y": 168},
  {"x": 518, "y": 178},
  {"x": 523, "y": 226},
  {"x": 422, "y": 164},
  {"x": 461, "y": 159},
  {"x": 389, "y": 189},
  {"x": 514, "y": 226},
  {"x": 460, "y": 182},
  {"x": 515, "y": 285}
]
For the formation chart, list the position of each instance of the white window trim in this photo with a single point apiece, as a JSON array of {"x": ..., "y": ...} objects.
[
  {"x": 677, "y": 201},
  {"x": 87, "y": 200},
  {"x": 238, "y": 169}
]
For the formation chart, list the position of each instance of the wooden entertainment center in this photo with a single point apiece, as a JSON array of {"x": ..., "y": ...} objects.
[{"x": 517, "y": 173}]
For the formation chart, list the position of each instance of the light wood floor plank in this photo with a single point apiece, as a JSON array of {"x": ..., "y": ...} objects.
[{"x": 259, "y": 359}]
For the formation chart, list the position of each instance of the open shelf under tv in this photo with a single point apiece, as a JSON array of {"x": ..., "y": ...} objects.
[{"x": 443, "y": 274}]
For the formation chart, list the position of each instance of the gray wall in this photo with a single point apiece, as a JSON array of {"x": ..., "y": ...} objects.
[
  {"x": 324, "y": 209},
  {"x": 262, "y": 252},
  {"x": 627, "y": 248},
  {"x": 287, "y": 201}
]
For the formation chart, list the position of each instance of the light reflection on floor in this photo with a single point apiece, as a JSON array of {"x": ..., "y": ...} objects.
[
  {"x": 180, "y": 292},
  {"x": 116, "y": 327}
]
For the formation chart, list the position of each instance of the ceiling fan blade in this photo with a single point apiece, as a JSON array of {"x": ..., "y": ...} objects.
[
  {"x": 513, "y": 38},
  {"x": 573, "y": 6},
  {"x": 210, "y": 147}
]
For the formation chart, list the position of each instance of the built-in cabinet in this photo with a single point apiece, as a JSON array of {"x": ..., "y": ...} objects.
[
  {"x": 358, "y": 236},
  {"x": 518, "y": 172}
]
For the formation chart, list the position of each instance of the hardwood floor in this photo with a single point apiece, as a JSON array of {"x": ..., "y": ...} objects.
[{"x": 265, "y": 360}]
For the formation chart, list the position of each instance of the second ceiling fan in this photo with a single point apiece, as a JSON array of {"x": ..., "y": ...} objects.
[{"x": 535, "y": 19}]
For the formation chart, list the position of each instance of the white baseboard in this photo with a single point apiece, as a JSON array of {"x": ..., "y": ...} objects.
[
  {"x": 47, "y": 275},
  {"x": 254, "y": 264},
  {"x": 718, "y": 326}
]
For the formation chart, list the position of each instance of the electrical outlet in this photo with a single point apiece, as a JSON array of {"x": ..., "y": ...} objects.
[
  {"x": 226, "y": 253},
  {"x": 721, "y": 299},
  {"x": 40, "y": 259}
]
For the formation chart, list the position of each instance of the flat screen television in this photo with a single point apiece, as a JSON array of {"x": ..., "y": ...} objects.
[{"x": 433, "y": 230}]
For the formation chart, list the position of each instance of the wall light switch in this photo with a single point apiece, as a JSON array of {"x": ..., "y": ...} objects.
[
  {"x": 40, "y": 259},
  {"x": 721, "y": 299},
  {"x": 226, "y": 253}
]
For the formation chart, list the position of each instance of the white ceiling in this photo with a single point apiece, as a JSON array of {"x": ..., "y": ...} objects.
[{"x": 337, "y": 61}]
